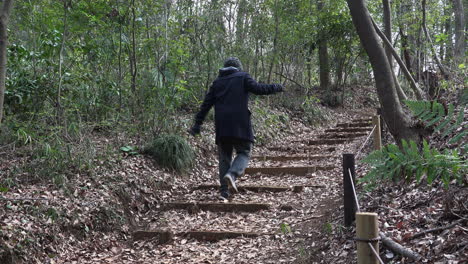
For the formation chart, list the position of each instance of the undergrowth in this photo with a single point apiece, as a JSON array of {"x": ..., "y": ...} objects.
[
  {"x": 410, "y": 164},
  {"x": 171, "y": 151}
]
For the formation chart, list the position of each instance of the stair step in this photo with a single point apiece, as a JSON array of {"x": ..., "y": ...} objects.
[
  {"x": 193, "y": 207},
  {"x": 362, "y": 120},
  {"x": 339, "y": 136},
  {"x": 289, "y": 158},
  {"x": 257, "y": 188},
  {"x": 302, "y": 150},
  {"x": 299, "y": 171},
  {"x": 164, "y": 236},
  {"x": 326, "y": 142},
  {"x": 213, "y": 236},
  {"x": 350, "y": 130},
  {"x": 361, "y": 124}
]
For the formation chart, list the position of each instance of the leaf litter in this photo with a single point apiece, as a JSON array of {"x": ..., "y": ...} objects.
[{"x": 92, "y": 220}]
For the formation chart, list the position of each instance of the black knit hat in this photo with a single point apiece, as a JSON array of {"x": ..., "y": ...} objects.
[{"x": 234, "y": 62}]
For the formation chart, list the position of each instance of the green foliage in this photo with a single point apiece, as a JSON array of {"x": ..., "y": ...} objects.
[
  {"x": 432, "y": 114},
  {"x": 410, "y": 163},
  {"x": 129, "y": 150},
  {"x": 267, "y": 123},
  {"x": 313, "y": 113},
  {"x": 285, "y": 228},
  {"x": 171, "y": 151}
]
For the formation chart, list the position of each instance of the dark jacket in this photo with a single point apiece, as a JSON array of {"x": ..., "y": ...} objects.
[{"x": 229, "y": 94}]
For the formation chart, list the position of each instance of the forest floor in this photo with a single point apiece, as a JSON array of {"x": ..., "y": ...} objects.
[{"x": 130, "y": 210}]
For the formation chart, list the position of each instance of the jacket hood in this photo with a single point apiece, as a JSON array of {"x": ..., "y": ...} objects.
[{"x": 227, "y": 71}]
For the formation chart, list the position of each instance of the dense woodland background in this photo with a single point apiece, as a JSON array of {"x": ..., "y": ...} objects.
[
  {"x": 80, "y": 72},
  {"x": 76, "y": 63}
]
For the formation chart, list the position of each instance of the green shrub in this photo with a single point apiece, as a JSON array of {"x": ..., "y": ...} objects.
[
  {"x": 393, "y": 163},
  {"x": 313, "y": 113},
  {"x": 171, "y": 151},
  {"x": 267, "y": 123}
]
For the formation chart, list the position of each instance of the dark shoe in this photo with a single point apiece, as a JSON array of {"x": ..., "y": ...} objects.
[
  {"x": 230, "y": 181},
  {"x": 224, "y": 196}
]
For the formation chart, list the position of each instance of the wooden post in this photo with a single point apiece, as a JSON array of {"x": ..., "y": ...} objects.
[
  {"x": 348, "y": 193},
  {"x": 377, "y": 133},
  {"x": 382, "y": 121},
  {"x": 367, "y": 228}
]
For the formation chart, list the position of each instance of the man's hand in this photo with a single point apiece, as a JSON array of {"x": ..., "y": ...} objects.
[
  {"x": 195, "y": 130},
  {"x": 279, "y": 87}
]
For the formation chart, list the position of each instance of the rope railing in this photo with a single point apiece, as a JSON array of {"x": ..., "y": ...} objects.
[
  {"x": 365, "y": 142},
  {"x": 356, "y": 200}
]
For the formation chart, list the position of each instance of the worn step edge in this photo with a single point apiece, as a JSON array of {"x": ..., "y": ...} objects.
[
  {"x": 348, "y": 130},
  {"x": 362, "y": 120},
  {"x": 287, "y": 158},
  {"x": 363, "y": 124},
  {"x": 299, "y": 171},
  {"x": 164, "y": 236},
  {"x": 326, "y": 142},
  {"x": 321, "y": 142},
  {"x": 337, "y": 135},
  {"x": 216, "y": 207},
  {"x": 213, "y": 236},
  {"x": 301, "y": 150},
  {"x": 253, "y": 188}
]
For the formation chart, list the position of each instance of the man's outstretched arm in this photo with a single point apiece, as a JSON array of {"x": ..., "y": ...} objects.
[{"x": 260, "y": 88}]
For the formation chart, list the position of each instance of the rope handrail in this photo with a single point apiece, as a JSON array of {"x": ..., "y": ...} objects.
[
  {"x": 365, "y": 142},
  {"x": 358, "y": 209}
]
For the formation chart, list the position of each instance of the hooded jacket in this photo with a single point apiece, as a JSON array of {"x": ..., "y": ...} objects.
[{"x": 229, "y": 94}]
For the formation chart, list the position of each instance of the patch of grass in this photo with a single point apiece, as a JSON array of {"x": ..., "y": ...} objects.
[{"x": 171, "y": 151}]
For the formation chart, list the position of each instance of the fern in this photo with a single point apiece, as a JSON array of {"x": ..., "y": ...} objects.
[
  {"x": 410, "y": 163},
  {"x": 433, "y": 113}
]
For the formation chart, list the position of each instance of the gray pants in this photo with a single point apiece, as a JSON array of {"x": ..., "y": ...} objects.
[{"x": 226, "y": 164}]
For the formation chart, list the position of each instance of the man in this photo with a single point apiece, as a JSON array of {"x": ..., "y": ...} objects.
[{"x": 229, "y": 94}]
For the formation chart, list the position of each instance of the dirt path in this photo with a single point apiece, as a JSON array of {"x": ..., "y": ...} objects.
[
  {"x": 283, "y": 198},
  {"x": 137, "y": 213}
]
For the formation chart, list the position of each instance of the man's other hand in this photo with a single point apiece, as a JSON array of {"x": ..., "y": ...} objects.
[{"x": 195, "y": 130}]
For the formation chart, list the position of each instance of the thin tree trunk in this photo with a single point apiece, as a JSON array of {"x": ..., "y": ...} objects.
[
  {"x": 460, "y": 48},
  {"x": 133, "y": 63},
  {"x": 397, "y": 121},
  {"x": 323, "y": 57},
  {"x": 414, "y": 86},
  {"x": 275, "y": 42},
  {"x": 4, "y": 17},
  {"x": 387, "y": 18},
  {"x": 62, "y": 50},
  {"x": 120, "y": 65}
]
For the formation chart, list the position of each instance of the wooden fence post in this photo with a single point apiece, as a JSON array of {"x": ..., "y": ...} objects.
[
  {"x": 367, "y": 228},
  {"x": 382, "y": 121},
  {"x": 377, "y": 133},
  {"x": 348, "y": 193}
]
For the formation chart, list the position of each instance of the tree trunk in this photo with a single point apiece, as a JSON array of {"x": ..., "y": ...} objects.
[
  {"x": 459, "y": 51},
  {"x": 61, "y": 55},
  {"x": 4, "y": 17},
  {"x": 275, "y": 42},
  {"x": 414, "y": 86},
  {"x": 397, "y": 121},
  {"x": 387, "y": 18},
  {"x": 323, "y": 57}
]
